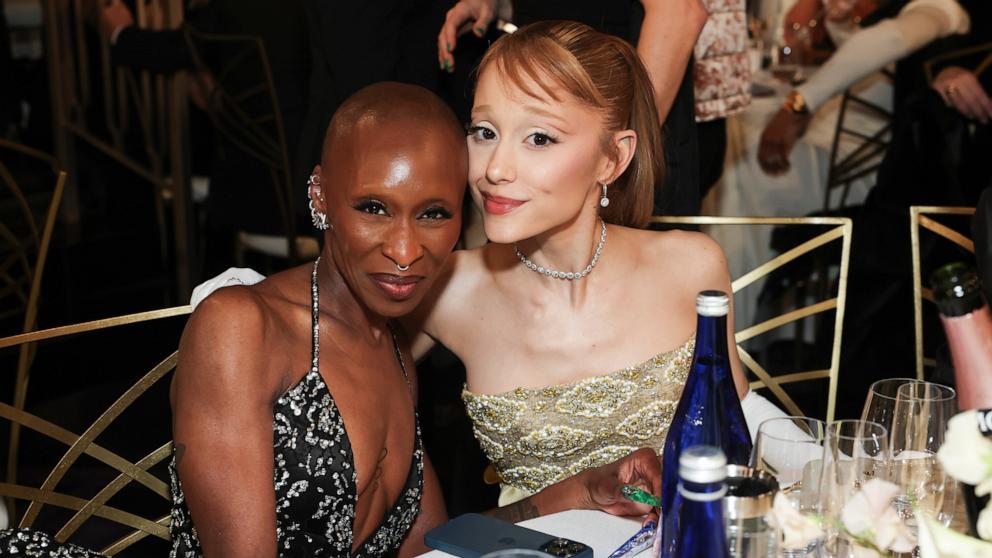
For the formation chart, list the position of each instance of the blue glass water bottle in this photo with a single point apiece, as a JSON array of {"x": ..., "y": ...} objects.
[
  {"x": 709, "y": 412},
  {"x": 698, "y": 505}
]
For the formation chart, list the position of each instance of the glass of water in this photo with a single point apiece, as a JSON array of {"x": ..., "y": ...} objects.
[{"x": 791, "y": 450}]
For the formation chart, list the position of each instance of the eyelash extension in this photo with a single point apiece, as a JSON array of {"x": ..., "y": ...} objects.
[
  {"x": 367, "y": 205},
  {"x": 473, "y": 130},
  {"x": 551, "y": 138}
]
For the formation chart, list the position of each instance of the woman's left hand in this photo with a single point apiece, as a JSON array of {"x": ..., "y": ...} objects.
[{"x": 641, "y": 468}]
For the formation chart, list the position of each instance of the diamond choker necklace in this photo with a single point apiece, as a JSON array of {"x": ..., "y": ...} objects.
[{"x": 566, "y": 275}]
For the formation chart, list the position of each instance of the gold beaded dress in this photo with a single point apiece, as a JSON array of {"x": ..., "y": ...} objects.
[{"x": 537, "y": 437}]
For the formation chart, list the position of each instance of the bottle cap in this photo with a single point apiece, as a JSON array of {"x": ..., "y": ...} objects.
[
  {"x": 703, "y": 464},
  {"x": 956, "y": 289},
  {"x": 712, "y": 303}
]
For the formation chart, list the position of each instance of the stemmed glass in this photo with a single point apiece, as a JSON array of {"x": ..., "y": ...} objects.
[
  {"x": 854, "y": 452},
  {"x": 791, "y": 449},
  {"x": 880, "y": 405},
  {"x": 919, "y": 421}
]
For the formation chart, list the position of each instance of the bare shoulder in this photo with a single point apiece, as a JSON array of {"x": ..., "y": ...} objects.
[
  {"x": 695, "y": 257},
  {"x": 229, "y": 340}
]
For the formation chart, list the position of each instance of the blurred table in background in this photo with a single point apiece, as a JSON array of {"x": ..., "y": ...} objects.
[{"x": 745, "y": 189}]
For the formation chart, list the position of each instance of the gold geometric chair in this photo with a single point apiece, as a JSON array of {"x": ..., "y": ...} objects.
[
  {"x": 926, "y": 218},
  {"x": 825, "y": 231},
  {"x": 31, "y": 186},
  {"x": 93, "y": 489},
  {"x": 244, "y": 112}
]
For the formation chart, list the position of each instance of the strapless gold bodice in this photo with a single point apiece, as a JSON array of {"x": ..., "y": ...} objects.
[{"x": 536, "y": 437}]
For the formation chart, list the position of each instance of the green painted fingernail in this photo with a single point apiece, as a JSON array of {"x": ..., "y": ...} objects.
[
  {"x": 480, "y": 31},
  {"x": 640, "y": 496}
]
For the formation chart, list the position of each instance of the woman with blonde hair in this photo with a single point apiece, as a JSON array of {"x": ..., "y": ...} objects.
[{"x": 576, "y": 325}]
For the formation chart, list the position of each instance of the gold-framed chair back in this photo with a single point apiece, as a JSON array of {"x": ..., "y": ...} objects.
[
  {"x": 125, "y": 497},
  {"x": 29, "y": 212},
  {"x": 837, "y": 229},
  {"x": 29, "y": 209},
  {"x": 243, "y": 108},
  {"x": 136, "y": 118},
  {"x": 925, "y": 217}
]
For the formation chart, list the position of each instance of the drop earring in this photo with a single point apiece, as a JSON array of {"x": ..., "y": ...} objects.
[
  {"x": 604, "y": 201},
  {"x": 319, "y": 219}
]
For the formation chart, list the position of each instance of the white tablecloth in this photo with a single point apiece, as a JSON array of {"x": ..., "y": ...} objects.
[
  {"x": 745, "y": 190},
  {"x": 601, "y": 531}
]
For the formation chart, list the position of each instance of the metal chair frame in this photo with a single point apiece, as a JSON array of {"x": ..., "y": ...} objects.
[
  {"x": 78, "y": 445},
  {"x": 919, "y": 219},
  {"x": 865, "y": 159},
  {"x": 246, "y": 130},
  {"x": 33, "y": 271},
  {"x": 840, "y": 229}
]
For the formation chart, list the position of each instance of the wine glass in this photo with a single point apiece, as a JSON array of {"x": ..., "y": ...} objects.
[
  {"x": 919, "y": 421},
  {"x": 854, "y": 452},
  {"x": 791, "y": 449},
  {"x": 880, "y": 404}
]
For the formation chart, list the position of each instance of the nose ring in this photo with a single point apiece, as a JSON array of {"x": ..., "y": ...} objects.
[{"x": 403, "y": 267}]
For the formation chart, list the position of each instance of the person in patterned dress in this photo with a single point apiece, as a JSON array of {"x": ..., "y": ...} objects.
[{"x": 294, "y": 415}]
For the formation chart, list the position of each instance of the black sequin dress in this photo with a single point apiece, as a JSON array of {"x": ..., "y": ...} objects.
[
  {"x": 315, "y": 483},
  {"x": 315, "y": 480}
]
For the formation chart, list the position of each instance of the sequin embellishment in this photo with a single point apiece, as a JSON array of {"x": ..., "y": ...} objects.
[{"x": 536, "y": 437}]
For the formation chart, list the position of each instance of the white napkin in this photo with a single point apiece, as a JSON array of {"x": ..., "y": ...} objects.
[{"x": 233, "y": 276}]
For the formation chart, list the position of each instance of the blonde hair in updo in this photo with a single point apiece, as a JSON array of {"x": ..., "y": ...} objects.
[{"x": 604, "y": 73}]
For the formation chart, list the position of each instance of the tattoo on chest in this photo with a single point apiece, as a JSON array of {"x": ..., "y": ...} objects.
[{"x": 377, "y": 473}]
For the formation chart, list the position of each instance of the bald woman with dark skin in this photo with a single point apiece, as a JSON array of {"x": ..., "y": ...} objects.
[{"x": 390, "y": 185}]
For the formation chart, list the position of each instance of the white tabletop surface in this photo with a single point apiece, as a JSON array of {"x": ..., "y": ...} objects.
[{"x": 603, "y": 532}]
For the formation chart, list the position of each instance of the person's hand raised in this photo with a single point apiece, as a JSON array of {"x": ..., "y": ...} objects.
[
  {"x": 465, "y": 15},
  {"x": 960, "y": 89}
]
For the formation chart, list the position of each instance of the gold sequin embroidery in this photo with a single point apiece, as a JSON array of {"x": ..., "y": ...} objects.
[
  {"x": 554, "y": 441},
  {"x": 649, "y": 422},
  {"x": 492, "y": 412},
  {"x": 536, "y": 437},
  {"x": 596, "y": 397}
]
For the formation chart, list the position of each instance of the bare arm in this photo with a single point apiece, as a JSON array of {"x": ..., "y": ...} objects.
[
  {"x": 597, "y": 488},
  {"x": 668, "y": 35},
  {"x": 222, "y": 426}
]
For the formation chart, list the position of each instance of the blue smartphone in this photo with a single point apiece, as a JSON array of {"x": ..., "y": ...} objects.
[{"x": 472, "y": 535}]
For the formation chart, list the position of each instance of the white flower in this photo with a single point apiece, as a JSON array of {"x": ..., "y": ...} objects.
[
  {"x": 966, "y": 455},
  {"x": 985, "y": 523},
  {"x": 797, "y": 530},
  {"x": 868, "y": 515},
  {"x": 937, "y": 541}
]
